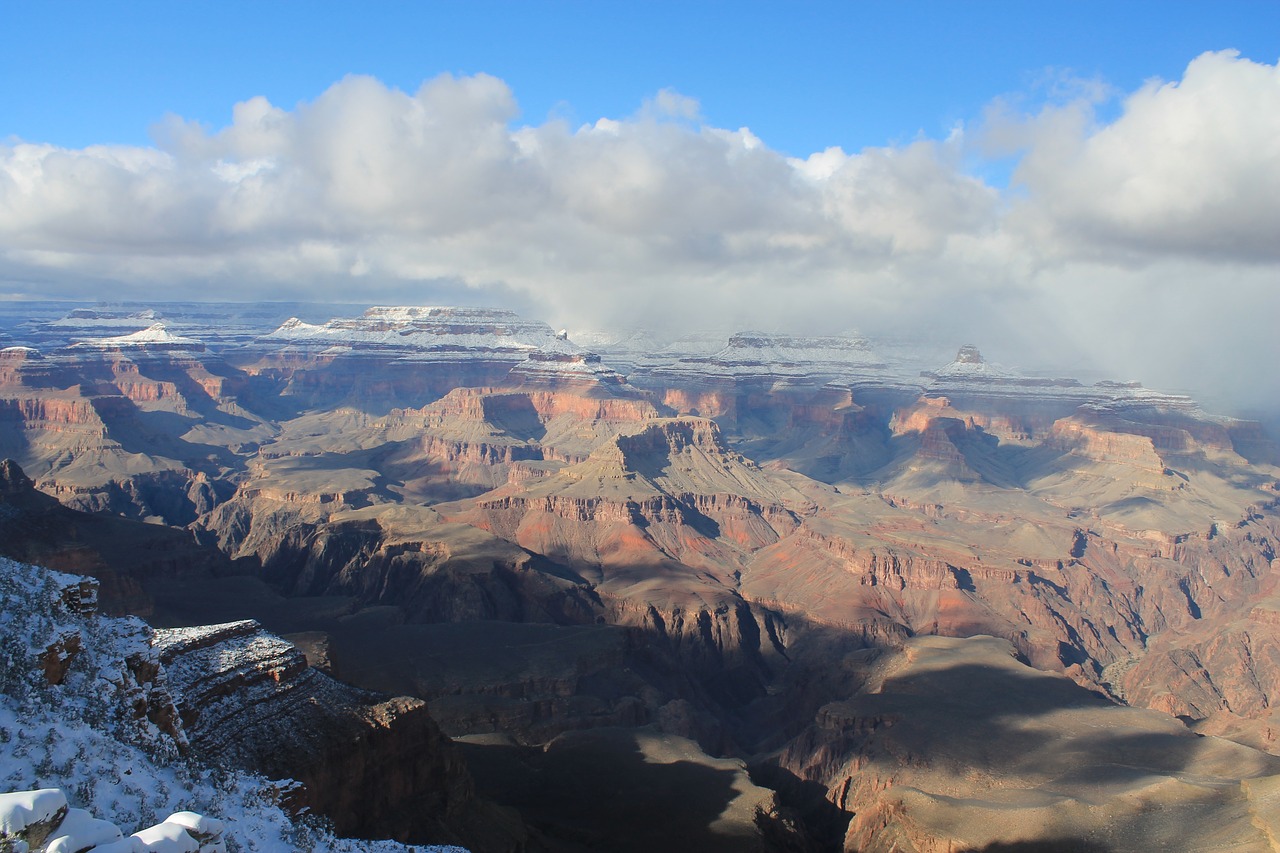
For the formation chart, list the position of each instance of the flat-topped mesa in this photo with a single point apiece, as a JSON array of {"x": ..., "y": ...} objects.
[
  {"x": 425, "y": 333},
  {"x": 149, "y": 366},
  {"x": 423, "y": 353},
  {"x": 18, "y": 363},
  {"x": 971, "y": 377},
  {"x": 558, "y": 369},
  {"x": 92, "y": 322},
  {"x": 114, "y": 328},
  {"x": 765, "y": 356},
  {"x": 19, "y": 353},
  {"x": 639, "y": 351},
  {"x": 762, "y": 376}
]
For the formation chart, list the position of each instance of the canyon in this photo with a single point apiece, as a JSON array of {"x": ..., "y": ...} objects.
[{"x": 791, "y": 593}]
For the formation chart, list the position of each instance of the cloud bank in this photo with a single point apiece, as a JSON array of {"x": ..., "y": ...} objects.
[{"x": 1146, "y": 245}]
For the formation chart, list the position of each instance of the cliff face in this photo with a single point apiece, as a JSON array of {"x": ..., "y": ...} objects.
[
  {"x": 377, "y": 767},
  {"x": 146, "y": 430},
  {"x": 88, "y": 717},
  {"x": 657, "y": 524},
  {"x": 126, "y": 557}
]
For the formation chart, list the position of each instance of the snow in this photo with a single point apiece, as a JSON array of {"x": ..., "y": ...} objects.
[
  {"x": 970, "y": 374},
  {"x": 850, "y": 360},
  {"x": 218, "y": 325},
  {"x": 83, "y": 737},
  {"x": 80, "y": 830},
  {"x": 84, "y": 317},
  {"x": 799, "y": 355},
  {"x": 236, "y": 652},
  {"x": 22, "y": 809},
  {"x": 435, "y": 334},
  {"x": 443, "y": 333},
  {"x": 167, "y": 838},
  {"x": 157, "y": 334},
  {"x": 124, "y": 845},
  {"x": 749, "y": 355},
  {"x": 197, "y": 822}
]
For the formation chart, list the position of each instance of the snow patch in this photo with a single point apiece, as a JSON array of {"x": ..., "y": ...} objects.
[{"x": 154, "y": 336}]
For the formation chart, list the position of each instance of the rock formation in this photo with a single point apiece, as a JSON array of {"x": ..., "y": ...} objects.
[
  {"x": 104, "y": 737},
  {"x": 128, "y": 558},
  {"x": 377, "y": 767},
  {"x": 711, "y": 548}
]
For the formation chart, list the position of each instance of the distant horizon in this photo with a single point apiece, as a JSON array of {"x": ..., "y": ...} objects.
[{"x": 931, "y": 339}]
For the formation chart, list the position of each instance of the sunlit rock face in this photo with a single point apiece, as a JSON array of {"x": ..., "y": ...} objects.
[
  {"x": 469, "y": 507},
  {"x": 146, "y": 424}
]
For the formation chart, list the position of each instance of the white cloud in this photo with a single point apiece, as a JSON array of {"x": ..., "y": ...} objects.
[
  {"x": 1191, "y": 167},
  {"x": 658, "y": 216}
]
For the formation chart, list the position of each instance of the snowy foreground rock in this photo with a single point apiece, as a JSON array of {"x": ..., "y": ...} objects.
[
  {"x": 41, "y": 820},
  {"x": 91, "y": 747}
]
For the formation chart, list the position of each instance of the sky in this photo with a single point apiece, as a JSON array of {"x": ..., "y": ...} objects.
[{"x": 1085, "y": 185}]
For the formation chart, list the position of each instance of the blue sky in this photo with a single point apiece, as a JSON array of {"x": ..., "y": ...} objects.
[
  {"x": 802, "y": 75},
  {"x": 1064, "y": 184}
]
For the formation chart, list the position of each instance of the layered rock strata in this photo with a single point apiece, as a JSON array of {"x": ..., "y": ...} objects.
[{"x": 375, "y": 766}]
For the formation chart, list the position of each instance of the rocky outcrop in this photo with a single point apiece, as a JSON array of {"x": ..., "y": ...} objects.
[
  {"x": 107, "y": 735},
  {"x": 377, "y": 767},
  {"x": 445, "y": 573},
  {"x": 1081, "y": 604},
  {"x": 667, "y": 491},
  {"x": 1218, "y": 669},
  {"x": 42, "y": 821},
  {"x": 1021, "y": 425}
]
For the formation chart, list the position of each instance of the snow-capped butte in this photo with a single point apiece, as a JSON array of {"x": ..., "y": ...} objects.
[
  {"x": 748, "y": 355},
  {"x": 156, "y": 336},
  {"x": 969, "y": 364},
  {"x": 970, "y": 374}
]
